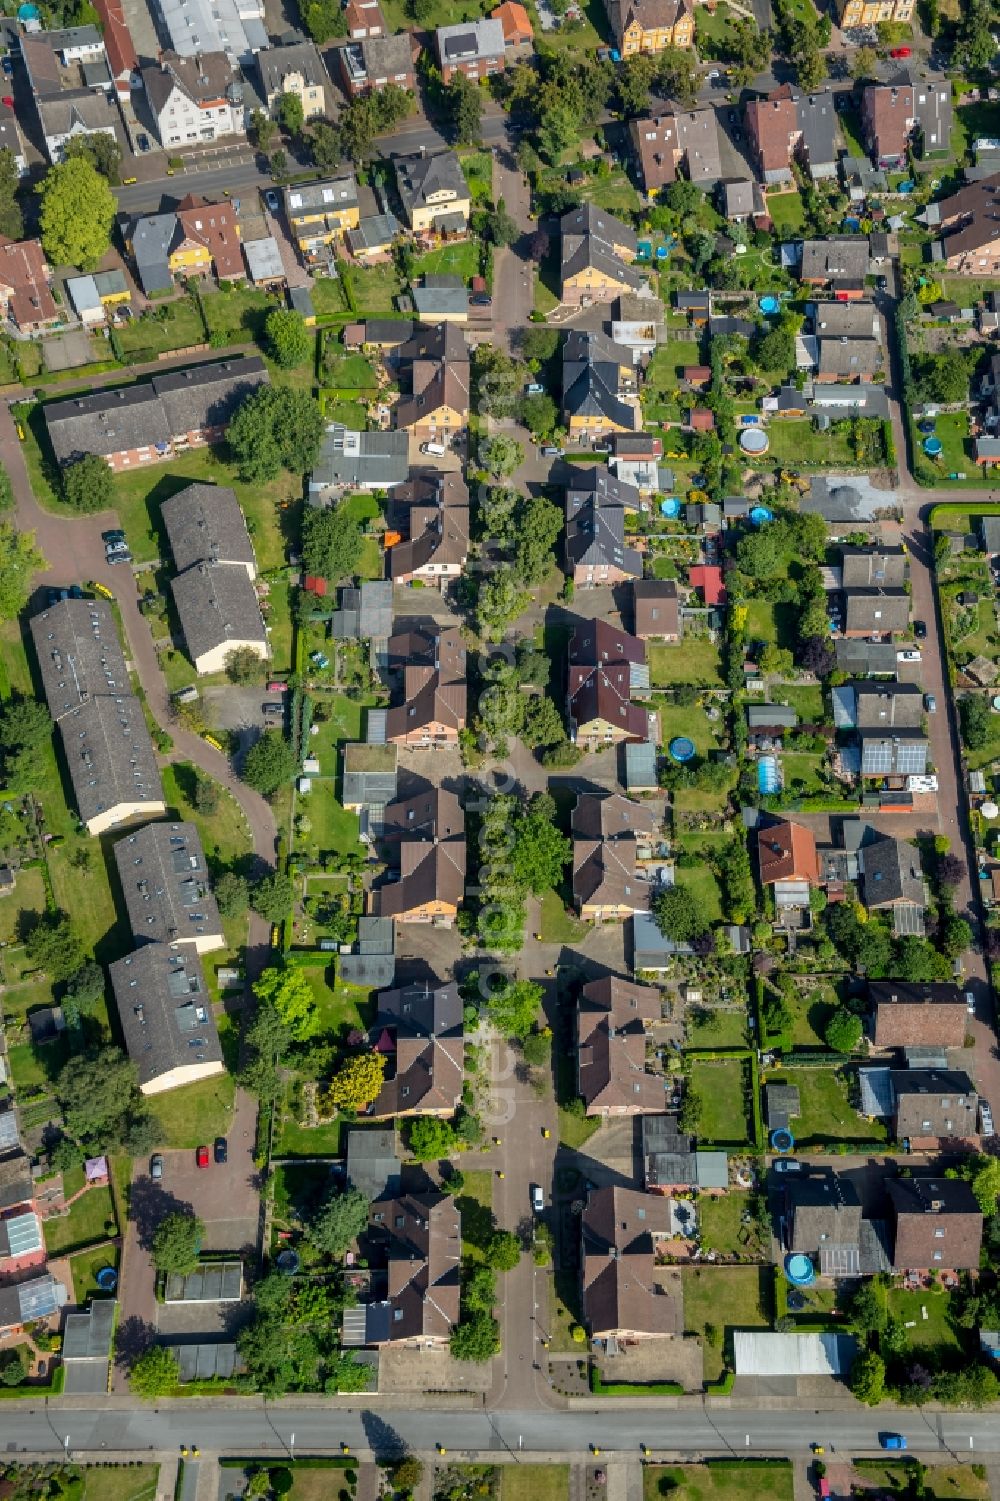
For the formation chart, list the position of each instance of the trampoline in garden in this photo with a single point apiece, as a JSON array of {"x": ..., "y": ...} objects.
[
  {"x": 782, "y": 1139},
  {"x": 768, "y": 778},
  {"x": 107, "y": 1279},
  {"x": 288, "y": 1262},
  {"x": 681, "y": 749},
  {"x": 799, "y": 1270},
  {"x": 933, "y": 447},
  {"x": 662, "y": 251},
  {"x": 770, "y": 304},
  {"x": 927, "y": 426}
]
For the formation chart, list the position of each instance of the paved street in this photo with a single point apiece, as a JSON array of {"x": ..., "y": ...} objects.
[{"x": 669, "y": 1426}]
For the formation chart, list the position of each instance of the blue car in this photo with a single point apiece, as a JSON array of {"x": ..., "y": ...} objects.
[{"x": 892, "y": 1440}]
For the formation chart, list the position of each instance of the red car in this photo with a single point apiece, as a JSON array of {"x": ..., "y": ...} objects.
[
  {"x": 201, "y": 1157},
  {"x": 901, "y": 52}
]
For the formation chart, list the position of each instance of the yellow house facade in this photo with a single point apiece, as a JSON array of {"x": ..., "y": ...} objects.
[
  {"x": 189, "y": 257},
  {"x": 321, "y": 212},
  {"x": 594, "y": 283},
  {"x": 593, "y": 424},
  {"x": 870, "y": 12},
  {"x": 651, "y": 25}
]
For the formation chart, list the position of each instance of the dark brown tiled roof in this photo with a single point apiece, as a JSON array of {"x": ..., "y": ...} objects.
[
  {"x": 619, "y": 1291},
  {"x": 938, "y": 1223},
  {"x": 787, "y": 852},
  {"x": 423, "y": 1239},
  {"x": 611, "y": 1046},
  {"x": 914, "y": 1015}
]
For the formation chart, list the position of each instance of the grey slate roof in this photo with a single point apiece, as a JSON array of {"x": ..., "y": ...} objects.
[
  {"x": 165, "y": 1010},
  {"x": 79, "y": 653},
  {"x": 87, "y": 1336},
  {"x": 419, "y": 178},
  {"x": 365, "y": 613},
  {"x": 77, "y": 110},
  {"x": 891, "y": 873},
  {"x": 373, "y": 963},
  {"x": 373, "y": 232},
  {"x": 154, "y": 413},
  {"x": 888, "y": 706},
  {"x": 106, "y": 422},
  {"x": 110, "y": 756},
  {"x": 369, "y": 774},
  {"x": 817, "y": 120},
  {"x": 595, "y": 521},
  {"x": 165, "y": 882},
  {"x": 373, "y": 1164},
  {"x": 263, "y": 258},
  {"x": 322, "y": 197},
  {"x": 217, "y": 603},
  {"x": 436, "y": 302},
  {"x": 766, "y": 716},
  {"x": 870, "y": 658},
  {"x": 275, "y": 63},
  {"x": 151, "y": 238},
  {"x": 204, "y": 523},
  {"x": 840, "y": 259},
  {"x": 349, "y": 459}
]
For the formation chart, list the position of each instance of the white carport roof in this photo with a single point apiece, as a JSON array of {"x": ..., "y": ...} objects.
[{"x": 793, "y": 1354}]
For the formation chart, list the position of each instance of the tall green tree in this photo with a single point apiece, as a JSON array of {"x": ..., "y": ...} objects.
[
  {"x": 331, "y": 543},
  {"x": 275, "y": 428},
  {"x": 20, "y": 559},
  {"x": 177, "y": 1243},
  {"x": 293, "y": 998},
  {"x": 103, "y": 152},
  {"x": 11, "y": 219},
  {"x": 338, "y": 1222},
  {"x": 288, "y": 339},
  {"x": 513, "y": 1007},
  {"x": 88, "y": 484},
  {"x": 465, "y": 106},
  {"x": 155, "y": 1373},
  {"x": 291, "y": 114},
  {"x": 77, "y": 212},
  {"x": 269, "y": 763}
]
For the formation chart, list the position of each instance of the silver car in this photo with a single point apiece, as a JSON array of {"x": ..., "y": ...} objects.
[{"x": 156, "y": 1167}]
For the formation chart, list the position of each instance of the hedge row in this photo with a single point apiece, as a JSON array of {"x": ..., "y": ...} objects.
[{"x": 602, "y": 1388}]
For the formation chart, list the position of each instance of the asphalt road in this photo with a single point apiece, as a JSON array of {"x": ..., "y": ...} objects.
[{"x": 285, "y": 1428}]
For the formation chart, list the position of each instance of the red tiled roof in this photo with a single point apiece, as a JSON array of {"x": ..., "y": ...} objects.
[
  {"x": 23, "y": 282},
  {"x": 709, "y": 580}
]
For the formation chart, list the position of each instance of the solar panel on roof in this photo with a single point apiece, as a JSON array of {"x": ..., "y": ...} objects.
[
  {"x": 38, "y": 1299},
  {"x": 24, "y": 1234}
]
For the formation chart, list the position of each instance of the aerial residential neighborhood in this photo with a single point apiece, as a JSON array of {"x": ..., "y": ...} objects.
[{"x": 499, "y": 749}]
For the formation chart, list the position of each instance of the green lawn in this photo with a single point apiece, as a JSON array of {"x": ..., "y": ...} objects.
[
  {"x": 85, "y": 892},
  {"x": 86, "y": 1222},
  {"x": 526, "y": 1482},
  {"x": 700, "y": 880},
  {"x": 725, "y": 1298},
  {"x": 31, "y": 1066},
  {"x": 721, "y": 1085},
  {"x": 347, "y": 371},
  {"x": 328, "y": 296},
  {"x": 664, "y": 372},
  {"x": 806, "y": 701},
  {"x": 85, "y": 1266},
  {"x": 576, "y": 1130},
  {"x": 801, "y": 772},
  {"x": 787, "y": 212},
  {"x": 827, "y": 1117},
  {"x": 224, "y": 834},
  {"x": 797, "y": 443},
  {"x": 722, "y": 1228},
  {"x": 956, "y": 455},
  {"x": 726, "y": 1480},
  {"x": 477, "y": 168},
  {"x": 195, "y": 1113},
  {"x": 341, "y": 723},
  {"x": 295, "y": 1140},
  {"x": 375, "y": 288},
  {"x": 934, "y": 1331},
  {"x": 708, "y": 1028},
  {"x": 692, "y": 722},
  {"x": 556, "y": 924},
  {"x": 695, "y": 660},
  {"x": 239, "y": 313},
  {"x": 460, "y": 259},
  {"x": 772, "y": 624},
  {"x": 342, "y": 1008},
  {"x": 168, "y": 326},
  {"x": 475, "y": 1205},
  {"x": 811, "y": 1015},
  {"x": 124, "y": 1484},
  {"x": 331, "y": 827}
]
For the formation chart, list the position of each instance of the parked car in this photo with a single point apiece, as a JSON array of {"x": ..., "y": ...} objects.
[
  {"x": 549, "y": 451},
  {"x": 930, "y": 703},
  {"x": 118, "y": 556},
  {"x": 920, "y": 630},
  {"x": 892, "y": 1440},
  {"x": 113, "y": 538},
  {"x": 221, "y": 1149},
  {"x": 272, "y": 710},
  {"x": 985, "y": 1119},
  {"x": 901, "y": 52},
  {"x": 8, "y": 67},
  {"x": 156, "y": 1166},
  {"x": 271, "y": 199},
  {"x": 142, "y": 141},
  {"x": 787, "y": 1165},
  {"x": 909, "y": 655},
  {"x": 277, "y": 686},
  {"x": 534, "y": 388},
  {"x": 970, "y": 1003},
  {"x": 201, "y": 1157},
  {"x": 481, "y": 299},
  {"x": 537, "y": 1198}
]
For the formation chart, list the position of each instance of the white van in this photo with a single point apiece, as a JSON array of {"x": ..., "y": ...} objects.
[{"x": 437, "y": 449}]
